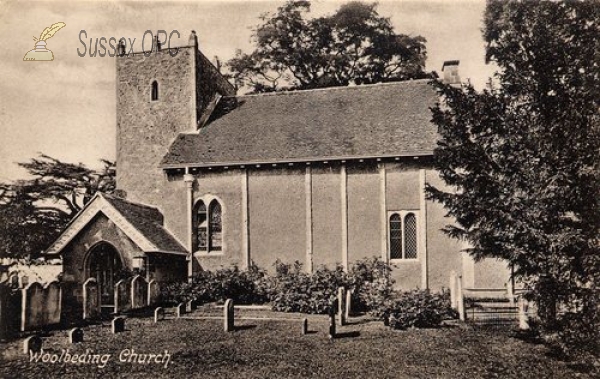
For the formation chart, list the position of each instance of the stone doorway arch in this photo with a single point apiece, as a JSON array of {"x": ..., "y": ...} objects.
[{"x": 104, "y": 263}]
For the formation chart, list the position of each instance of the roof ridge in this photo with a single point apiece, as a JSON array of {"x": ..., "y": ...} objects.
[
  {"x": 336, "y": 88},
  {"x": 113, "y": 197}
]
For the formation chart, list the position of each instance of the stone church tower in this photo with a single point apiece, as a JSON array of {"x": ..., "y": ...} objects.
[{"x": 159, "y": 95}]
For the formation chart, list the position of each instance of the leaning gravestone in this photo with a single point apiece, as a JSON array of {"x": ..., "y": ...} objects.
[
  {"x": 33, "y": 344},
  {"x": 228, "y": 314},
  {"x": 75, "y": 335},
  {"x": 159, "y": 314},
  {"x": 118, "y": 325}
]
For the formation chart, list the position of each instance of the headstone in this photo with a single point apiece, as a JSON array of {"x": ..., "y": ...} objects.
[
  {"x": 189, "y": 306},
  {"x": 33, "y": 344},
  {"x": 52, "y": 303},
  {"x": 228, "y": 314},
  {"x": 332, "y": 311},
  {"x": 304, "y": 326},
  {"x": 341, "y": 308},
  {"x": 180, "y": 309},
  {"x": 348, "y": 309},
  {"x": 91, "y": 300},
  {"x": 75, "y": 335},
  {"x": 32, "y": 311},
  {"x": 153, "y": 292},
  {"x": 118, "y": 325},
  {"x": 159, "y": 314}
]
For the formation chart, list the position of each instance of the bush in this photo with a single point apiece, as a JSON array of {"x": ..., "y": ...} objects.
[
  {"x": 418, "y": 308},
  {"x": 371, "y": 284},
  {"x": 244, "y": 287},
  {"x": 298, "y": 291}
]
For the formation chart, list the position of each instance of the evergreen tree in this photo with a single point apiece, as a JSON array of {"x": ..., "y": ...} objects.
[
  {"x": 33, "y": 212},
  {"x": 523, "y": 156}
]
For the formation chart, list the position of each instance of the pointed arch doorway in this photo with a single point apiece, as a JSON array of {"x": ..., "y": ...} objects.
[{"x": 105, "y": 265}]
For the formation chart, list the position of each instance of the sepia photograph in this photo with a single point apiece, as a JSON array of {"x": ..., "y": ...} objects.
[{"x": 300, "y": 189}]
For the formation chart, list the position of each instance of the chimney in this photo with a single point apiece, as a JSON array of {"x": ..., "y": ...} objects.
[
  {"x": 450, "y": 71},
  {"x": 193, "y": 41},
  {"x": 156, "y": 45}
]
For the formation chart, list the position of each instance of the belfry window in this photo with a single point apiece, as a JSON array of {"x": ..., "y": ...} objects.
[{"x": 154, "y": 95}]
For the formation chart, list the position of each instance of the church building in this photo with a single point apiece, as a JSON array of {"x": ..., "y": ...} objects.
[{"x": 210, "y": 179}]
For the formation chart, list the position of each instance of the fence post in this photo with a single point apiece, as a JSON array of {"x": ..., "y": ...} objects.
[
  {"x": 453, "y": 303},
  {"x": 510, "y": 292},
  {"x": 460, "y": 298},
  {"x": 523, "y": 309}
]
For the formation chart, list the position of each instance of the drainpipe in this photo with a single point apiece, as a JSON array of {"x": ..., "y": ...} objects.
[{"x": 189, "y": 183}]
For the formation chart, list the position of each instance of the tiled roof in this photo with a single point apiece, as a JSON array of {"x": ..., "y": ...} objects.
[
  {"x": 381, "y": 120},
  {"x": 148, "y": 221}
]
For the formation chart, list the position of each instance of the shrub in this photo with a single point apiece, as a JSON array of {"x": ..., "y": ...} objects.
[
  {"x": 418, "y": 308},
  {"x": 298, "y": 291},
  {"x": 371, "y": 284},
  {"x": 244, "y": 287}
]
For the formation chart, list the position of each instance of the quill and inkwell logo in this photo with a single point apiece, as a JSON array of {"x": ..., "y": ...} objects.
[{"x": 41, "y": 53}]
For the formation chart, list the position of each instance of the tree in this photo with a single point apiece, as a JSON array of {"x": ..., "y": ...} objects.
[
  {"x": 355, "y": 44},
  {"x": 33, "y": 212},
  {"x": 523, "y": 156}
]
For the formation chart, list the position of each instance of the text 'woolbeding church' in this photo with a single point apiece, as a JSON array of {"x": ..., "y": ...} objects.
[{"x": 211, "y": 179}]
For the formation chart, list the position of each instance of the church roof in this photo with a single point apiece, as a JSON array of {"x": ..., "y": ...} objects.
[
  {"x": 141, "y": 223},
  {"x": 149, "y": 222},
  {"x": 370, "y": 121}
]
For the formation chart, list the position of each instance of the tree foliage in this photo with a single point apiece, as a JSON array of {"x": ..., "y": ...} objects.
[
  {"x": 34, "y": 211},
  {"x": 524, "y": 156},
  {"x": 355, "y": 44}
]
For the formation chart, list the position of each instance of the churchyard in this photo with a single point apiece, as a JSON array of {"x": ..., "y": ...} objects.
[{"x": 266, "y": 344}]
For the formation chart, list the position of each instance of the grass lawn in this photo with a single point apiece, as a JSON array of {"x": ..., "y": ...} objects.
[{"x": 277, "y": 349}]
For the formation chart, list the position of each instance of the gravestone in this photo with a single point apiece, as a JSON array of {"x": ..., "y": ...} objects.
[
  {"x": 189, "y": 306},
  {"x": 159, "y": 314},
  {"x": 304, "y": 326},
  {"x": 228, "y": 314},
  {"x": 333, "y": 306},
  {"x": 75, "y": 335},
  {"x": 118, "y": 325},
  {"x": 33, "y": 344},
  {"x": 180, "y": 309},
  {"x": 91, "y": 300}
]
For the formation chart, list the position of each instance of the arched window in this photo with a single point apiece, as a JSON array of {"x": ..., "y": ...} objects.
[
  {"x": 209, "y": 227},
  {"x": 154, "y": 90},
  {"x": 410, "y": 236},
  {"x": 403, "y": 235},
  {"x": 215, "y": 226},
  {"x": 395, "y": 236},
  {"x": 201, "y": 226}
]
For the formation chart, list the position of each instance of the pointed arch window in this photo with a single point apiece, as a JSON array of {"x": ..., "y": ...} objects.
[
  {"x": 215, "y": 226},
  {"x": 154, "y": 95},
  {"x": 208, "y": 227},
  {"x": 403, "y": 235},
  {"x": 395, "y": 236}
]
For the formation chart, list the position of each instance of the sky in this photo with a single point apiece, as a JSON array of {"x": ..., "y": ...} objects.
[{"x": 65, "y": 108}]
